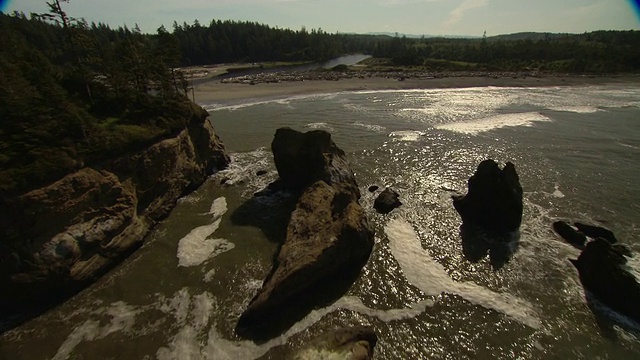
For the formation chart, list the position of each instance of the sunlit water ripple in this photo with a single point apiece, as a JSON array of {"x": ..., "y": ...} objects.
[{"x": 576, "y": 149}]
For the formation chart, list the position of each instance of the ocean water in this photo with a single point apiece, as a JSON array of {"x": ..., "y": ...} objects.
[{"x": 428, "y": 295}]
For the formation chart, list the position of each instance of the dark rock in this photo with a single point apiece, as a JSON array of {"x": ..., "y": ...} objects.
[
  {"x": 602, "y": 272},
  {"x": 494, "y": 199},
  {"x": 571, "y": 235},
  {"x": 622, "y": 250},
  {"x": 355, "y": 343},
  {"x": 261, "y": 172},
  {"x": 373, "y": 188},
  {"x": 386, "y": 201},
  {"x": 594, "y": 231},
  {"x": 328, "y": 235},
  {"x": 304, "y": 158}
]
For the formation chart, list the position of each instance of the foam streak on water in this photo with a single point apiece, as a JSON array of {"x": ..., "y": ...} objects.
[
  {"x": 475, "y": 127},
  {"x": 431, "y": 278},
  {"x": 196, "y": 247},
  {"x": 122, "y": 319}
]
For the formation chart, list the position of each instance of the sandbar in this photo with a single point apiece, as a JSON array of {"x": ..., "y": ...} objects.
[{"x": 214, "y": 91}]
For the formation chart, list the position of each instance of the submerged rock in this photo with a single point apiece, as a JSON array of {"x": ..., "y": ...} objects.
[
  {"x": 373, "y": 188},
  {"x": 571, "y": 235},
  {"x": 602, "y": 272},
  {"x": 328, "y": 234},
  {"x": 594, "y": 231},
  {"x": 387, "y": 201},
  {"x": 354, "y": 343},
  {"x": 494, "y": 199}
]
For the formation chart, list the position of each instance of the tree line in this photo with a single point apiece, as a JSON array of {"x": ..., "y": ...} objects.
[
  {"x": 599, "y": 52},
  {"x": 74, "y": 93}
]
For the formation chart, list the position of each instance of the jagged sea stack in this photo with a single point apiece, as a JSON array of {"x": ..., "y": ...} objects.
[
  {"x": 494, "y": 200},
  {"x": 328, "y": 234}
]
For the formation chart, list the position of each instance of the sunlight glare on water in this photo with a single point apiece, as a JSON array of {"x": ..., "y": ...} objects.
[{"x": 576, "y": 150}]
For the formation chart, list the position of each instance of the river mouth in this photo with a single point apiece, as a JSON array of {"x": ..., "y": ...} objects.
[{"x": 575, "y": 148}]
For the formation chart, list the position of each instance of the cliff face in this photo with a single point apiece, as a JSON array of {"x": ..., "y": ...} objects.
[{"x": 61, "y": 237}]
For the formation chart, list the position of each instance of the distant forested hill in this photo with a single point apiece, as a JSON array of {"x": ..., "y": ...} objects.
[
  {"x": 599, "y": 52},
  {"x": 73, "y": 93}
]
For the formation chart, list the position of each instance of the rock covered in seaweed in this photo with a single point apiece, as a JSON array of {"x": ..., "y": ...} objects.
[{"x": 494, "y": 199}]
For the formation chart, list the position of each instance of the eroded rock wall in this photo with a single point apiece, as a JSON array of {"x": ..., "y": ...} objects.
[{"x": 60, "y": 237}]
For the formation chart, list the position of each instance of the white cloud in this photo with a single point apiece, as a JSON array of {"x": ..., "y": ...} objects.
[{"x": 458, "y": 13}]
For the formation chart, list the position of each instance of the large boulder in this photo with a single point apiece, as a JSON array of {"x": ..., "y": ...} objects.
[
  {"x": 602, "y": 272},
  {"x": 494, "y": 199},
  {"x": 387, "y": 201},
  {"x": 354, "y": 343},
  {"x": 328, "y": 233}
]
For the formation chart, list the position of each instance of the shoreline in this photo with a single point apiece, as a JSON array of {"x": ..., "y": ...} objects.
[{"x": 216, "y": 91}]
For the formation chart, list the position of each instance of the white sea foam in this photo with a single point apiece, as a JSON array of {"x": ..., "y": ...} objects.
[
  {"x": 195, "y": 248},
  {"x": 628, "y": 146},
  {"x": 85, "y": 332},
  {"x": 576, "y": 109},
  {"x": 243, "y": 169},
  {"x": 286, "y": 101},
  {"x": 218, "y": 207},
  {"x": 122, "y": 320},
  {"x": 208, "y": 276},
  {"x": 474, "y": 127},
  {"x": 220, "y": 348},
  {"x": 431, "y": 278},
  {"x": 319, "y": 126},
  {"x": 406, "y": 135},
  {"x": 192, "y": 198},
  {"x": 633, "y": 265},
  {"x": 376, "y": 128},
  {"x": 186, "y": 344},
  {"x": 556, "y": 192}
]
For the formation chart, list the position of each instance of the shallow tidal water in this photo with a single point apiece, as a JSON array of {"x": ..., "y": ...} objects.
[{"x": 576, "y": 150}]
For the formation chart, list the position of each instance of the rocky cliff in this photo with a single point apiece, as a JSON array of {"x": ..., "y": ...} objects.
[
  {"x": 328, "y": 237},
  {"x": 58, "y": 238}
]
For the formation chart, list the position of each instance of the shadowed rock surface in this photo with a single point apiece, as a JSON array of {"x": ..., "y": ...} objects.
[
  {"x": 594, "y": 231},
  {"x": 602, "y": 272},
  {"x": 494, "y": 199},
  {"x": 387, "y": 201},
  {"x": 59, "y": 238},
  {"x": 328, "y": 235},
  {"x": 356, "y": 343},
  {"x": 569, "y": 234}
]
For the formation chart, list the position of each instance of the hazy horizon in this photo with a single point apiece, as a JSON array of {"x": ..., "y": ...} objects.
[{"x": 411, "y": 17}]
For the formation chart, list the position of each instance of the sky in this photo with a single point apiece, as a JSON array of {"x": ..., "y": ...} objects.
[{"x": 416, "y": 17}]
